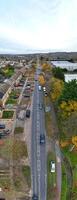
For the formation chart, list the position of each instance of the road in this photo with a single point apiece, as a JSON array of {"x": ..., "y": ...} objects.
[{"x": 38, "y": 151}]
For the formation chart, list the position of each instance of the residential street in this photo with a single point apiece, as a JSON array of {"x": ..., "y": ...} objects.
[{"x": 38, "y": 150}]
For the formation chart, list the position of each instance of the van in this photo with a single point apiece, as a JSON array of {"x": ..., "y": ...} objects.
[{"x": 28, "y": 113}]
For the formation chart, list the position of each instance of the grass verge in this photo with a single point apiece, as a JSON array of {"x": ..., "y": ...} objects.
[
  {"x": 72, "y": 157},
  {"x": 18, "y": 130},
  {"x": 64, "y": 184},
  {"x": 51, "y": 178},
  {"x": 27, "y": 174}
]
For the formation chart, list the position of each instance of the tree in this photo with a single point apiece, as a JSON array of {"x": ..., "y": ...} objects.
[
  {"x": 69, "y": 125},
  {"x": 74, "y": 140},
  {"x": 69, "y": 92},
  {"x": 41, "y": 80},
  {"x": 58, "y": 73},
  {"x": 57, "y": 86},
  {"x": 46, "y": 67}
]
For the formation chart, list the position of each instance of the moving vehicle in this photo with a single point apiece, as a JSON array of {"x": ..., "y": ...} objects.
[
  {"x": 42, "y": 139},
  {"x": 2, "y": 126},
  {"x": 28, "y": 113},
  {"x": 40, "y": 106},
  {"x": 39, "y": 87},
  {"x": 52, "y": 166},
  {"x": 35, "y": 197}
]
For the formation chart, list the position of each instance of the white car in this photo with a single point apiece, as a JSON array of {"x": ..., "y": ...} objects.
[
  {"x": 39, "y": 87},
  {"x": 44, "y": 89},
  {"x": 52, "y": 166}
]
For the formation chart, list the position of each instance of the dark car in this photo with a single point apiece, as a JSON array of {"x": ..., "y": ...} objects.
[
  {"x": 40, "y": 106},
  {"x": 42, "y": 139},
  {"x": 2, "y": 126},
  {"x": 35, "y": 197},
  {"x": 2, "y": 135},
  {"x": 28, "y": 113},
  {"x": 7, "y": 131}
]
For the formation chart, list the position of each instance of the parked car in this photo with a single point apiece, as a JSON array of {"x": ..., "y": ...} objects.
[
  {"x": 28, "y": 113},
  {"x": 35, "y": 197},
  {"x": 52, "y": 166},
  {"x": 7, "y": 131},
  {"x": 44, "y": 89},
  {"x": 2, "y": 135},
  {"x": 42, "y": 139},
  {"x": 2, "y": 126}
]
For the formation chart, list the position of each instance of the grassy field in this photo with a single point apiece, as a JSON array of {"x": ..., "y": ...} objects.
[
  {"x": 51, "y": 178},
  {"x": 18, "y": 130},
  {"x": 7, "y": 114},
  {"x": 19, "y": 149},
  {"x": 27, "y": 174}
]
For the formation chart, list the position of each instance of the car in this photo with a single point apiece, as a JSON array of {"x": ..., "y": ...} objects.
[
  {"x": 44, "y": 89},
  {"x": 39, "y": 87},
  {"x": 28, "y": 113},
  {"x": 7, "y": 131},
  {"x": 40, "y": 106},
  {"x": 45, "y": 94},
  {"x": 52, "y": 166},
  {"x": 2, "y": 135},
  {"x": 2, "y": 126},
  {"x": 42, "y": 139},
  {"x": 34, "y": 197}
]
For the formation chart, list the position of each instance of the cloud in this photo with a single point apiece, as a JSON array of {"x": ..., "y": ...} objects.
[{"x": 38, "y": 25}]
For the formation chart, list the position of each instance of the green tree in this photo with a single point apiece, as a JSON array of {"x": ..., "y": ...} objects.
[
  {"x": 58, "y": 73},
  {"x": 69, "y": 92}
]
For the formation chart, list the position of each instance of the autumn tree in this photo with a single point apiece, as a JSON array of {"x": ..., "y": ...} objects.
[
  {"x": 74, "y": 140},
  {"x": 56, "y": 87},
  {"x": 41, "y": 80},
  {"x": 46, "y": 67}
]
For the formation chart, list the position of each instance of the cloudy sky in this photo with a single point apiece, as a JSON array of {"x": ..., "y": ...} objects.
[{"x": 38, "y": 25}]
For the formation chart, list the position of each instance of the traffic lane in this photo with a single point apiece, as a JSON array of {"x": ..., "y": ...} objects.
[
  {"x": 34, "y": 145},
  {"x": 43, "y": 173},
  {"x": 42, "y": 154}
]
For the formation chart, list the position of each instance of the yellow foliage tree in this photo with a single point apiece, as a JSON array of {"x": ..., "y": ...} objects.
[
  {"x": 64, "y": 143},
  {"x": 41, "y": 80},
  {"x": 68, "y": 107},
  {"x": 46, "y": 66},
  {"x": 57, "y": 86},
  {"x": 74, "y": 140}
]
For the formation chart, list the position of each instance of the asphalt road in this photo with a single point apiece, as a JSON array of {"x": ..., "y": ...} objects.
[{"x": 39, "y": 182}]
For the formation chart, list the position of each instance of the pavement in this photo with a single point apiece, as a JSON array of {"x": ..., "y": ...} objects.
[{"x": 38, "y": 153}]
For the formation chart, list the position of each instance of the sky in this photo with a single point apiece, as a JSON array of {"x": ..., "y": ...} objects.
[{"x": 28, "y": 26}]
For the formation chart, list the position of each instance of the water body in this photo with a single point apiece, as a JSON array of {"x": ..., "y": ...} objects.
[{"x": 65, "y": 64}]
